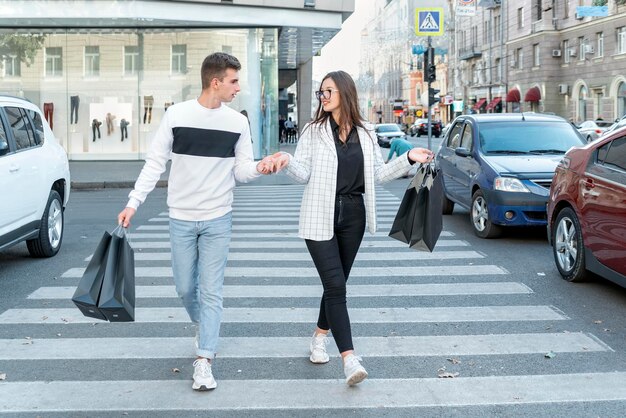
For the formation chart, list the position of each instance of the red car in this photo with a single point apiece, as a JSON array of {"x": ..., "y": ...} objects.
[{"x": 587, "y": 210}]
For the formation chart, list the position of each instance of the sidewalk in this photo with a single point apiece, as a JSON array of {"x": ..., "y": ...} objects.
[{"x": 89, "y": 175}]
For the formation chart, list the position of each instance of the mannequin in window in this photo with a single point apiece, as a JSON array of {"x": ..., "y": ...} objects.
[
  {"x": 95, "y": 127},
  {"x": 148, "y": 102},
  {"x": 74, "y": 102},
  {"x": 124, "y": 128},
  {"x": 110, "y": 126}
]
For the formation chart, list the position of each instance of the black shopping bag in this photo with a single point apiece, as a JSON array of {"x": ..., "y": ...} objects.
[
  {"x": 117, "y": 297},
  {"x": 88, "y": 290},
  {"x": 419, "y": 218}
]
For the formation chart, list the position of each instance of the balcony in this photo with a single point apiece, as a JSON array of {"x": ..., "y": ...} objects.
[
  {"x": 469, "y": 53},
  {"x": 543, "y": 25}
]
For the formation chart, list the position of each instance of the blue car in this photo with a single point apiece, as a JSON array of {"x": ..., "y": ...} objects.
[{"x": 500, "y": 167}]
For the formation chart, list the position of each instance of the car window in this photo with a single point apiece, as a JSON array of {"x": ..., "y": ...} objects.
[
  {"x": 4, "y": 142},
  {"x": 454, "y": 139},
  {"x": 20, "y": 125},
  {"x": 528, "y": 137},
  {"x": 467, "y": 139},
  {"x": 610, "y": 161},
  {"x": 37, "y": 122},
  {"x": 388, "y": 128}
]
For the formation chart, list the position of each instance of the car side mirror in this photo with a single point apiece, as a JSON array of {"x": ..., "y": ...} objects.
[
  {"x": 462, "y": 152},
  {"x": 4, "y": 147}
]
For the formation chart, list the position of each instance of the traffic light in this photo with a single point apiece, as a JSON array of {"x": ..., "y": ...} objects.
[
  {"x": 431, "y": 96},
  {"x": 430, "y": 70}
]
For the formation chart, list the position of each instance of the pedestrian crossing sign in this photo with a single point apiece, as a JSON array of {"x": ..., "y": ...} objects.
[{"x": 429, "y": 21}]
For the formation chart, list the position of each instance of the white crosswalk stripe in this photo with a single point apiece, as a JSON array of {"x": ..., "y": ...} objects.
[{"x": 440, "y": 293}]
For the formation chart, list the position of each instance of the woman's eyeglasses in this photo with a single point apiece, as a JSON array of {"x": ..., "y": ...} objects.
[{"x": 324, "y": 93}]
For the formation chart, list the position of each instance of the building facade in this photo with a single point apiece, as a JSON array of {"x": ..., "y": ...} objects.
[
  {"x": 105, "y": 72},
  {"x": 540, "y": 55}
]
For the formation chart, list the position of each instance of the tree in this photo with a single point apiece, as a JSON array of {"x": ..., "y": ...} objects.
[{"x": 23, "y": 46}]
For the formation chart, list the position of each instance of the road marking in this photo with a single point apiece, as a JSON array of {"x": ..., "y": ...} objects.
[
  {"x": 284, "y": 234},
  {"x": 308, "y": 291},
  {"x": 302, "y": 315},
  {"x": 277, "y": 226},
  {"x": 305, "y": 256},
  {"x": 403, "y": 271},
  {"x": 289, "y": 347},
  {"x": 301, "y": 395},
  {"x": 299, "y": 243}
]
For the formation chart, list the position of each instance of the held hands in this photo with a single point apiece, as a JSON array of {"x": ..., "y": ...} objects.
[
  {"x": 273, "y": 163},
  {"x": 421, "y": 155}
]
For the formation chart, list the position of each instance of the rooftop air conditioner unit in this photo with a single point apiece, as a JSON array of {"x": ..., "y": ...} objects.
[
  {"x": 556, "y": 52},
  {"x": 572, "y": 52},
  {"x": 589, "y": 49},
  {"x": 563, "y": 89}
]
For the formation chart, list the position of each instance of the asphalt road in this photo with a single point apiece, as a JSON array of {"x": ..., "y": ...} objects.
[{"x": 593, "y": 310}]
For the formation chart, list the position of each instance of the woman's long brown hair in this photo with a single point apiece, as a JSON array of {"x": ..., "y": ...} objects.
[{"x": 348, "y": 105}]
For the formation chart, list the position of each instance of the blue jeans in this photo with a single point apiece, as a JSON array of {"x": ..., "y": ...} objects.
[{"x": 199, "y": 255}]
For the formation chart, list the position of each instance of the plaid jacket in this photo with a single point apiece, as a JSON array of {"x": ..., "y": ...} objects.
[{"x": 315, "y": 164}]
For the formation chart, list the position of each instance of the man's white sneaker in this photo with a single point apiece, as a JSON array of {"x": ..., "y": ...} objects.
[
  {"x": 318, "y": 349},
  {"x": 202, "y": 375},
  {"x": 355, "y": 373}
]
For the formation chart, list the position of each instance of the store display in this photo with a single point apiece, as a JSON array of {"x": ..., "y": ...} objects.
[
  {"x": 48, "y": 112},
  {"x": 74, "y": 102},
  {"x": 148, "y": 102},
  {"x": 95, "y": 127},
  {"x": 109, "y": 121},
  {"x": 124, "y": 128}
]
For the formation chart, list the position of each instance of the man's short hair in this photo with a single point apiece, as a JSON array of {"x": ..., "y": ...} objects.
[{"x": 215, "y": 66}]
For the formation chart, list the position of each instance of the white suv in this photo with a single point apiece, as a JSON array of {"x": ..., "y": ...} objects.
[{"x": 34, "y": 179}]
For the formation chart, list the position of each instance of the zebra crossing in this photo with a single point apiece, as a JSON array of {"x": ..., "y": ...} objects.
[{"x": 271, "y": 294}]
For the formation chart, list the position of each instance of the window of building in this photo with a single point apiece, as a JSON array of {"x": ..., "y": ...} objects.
[
  {"x": 519, "y": 58},
  {"x": 538, "y": 10},
  {"x": 520, "y": 18},
  {"x": 54, "y": 62},
  {"x": 474, "y": 36},
  {"x": 599, "y": 95},
  {"x": 486, "y": 32},
  {"x": 566, "y": 56},
  {"x": 11, "y": 66},
  {"x": 498, "y": 69},
  {"x": 566, "y": 10},
  {"x": 582, "y": 103},
  {"x": 581, "y": 48},
  {"x": 536, "y": 55},
  {"x": 600, "y": 44},
  {"x": 621, "y": 40},
  {"x": 496, "y": 28},
  {"x": 179, "y": 59},
  {"x": 621, "y": 100},
  {"x": 92, "y": 61},
  {"x": 131, "y": 60}
]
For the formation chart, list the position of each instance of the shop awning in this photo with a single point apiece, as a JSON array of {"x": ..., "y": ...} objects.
[
  {"x": 513, "y": 96},
  {"x": 533, "y": 95},
  {"x": 492, "y": 104},
  {"x": 479, "y": 104}
]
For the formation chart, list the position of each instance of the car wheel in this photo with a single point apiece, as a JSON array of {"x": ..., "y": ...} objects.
[
  {"x": 480, "y": 217},
  {"x": 50, "y": 236},
  {"x": 448, "y": 206},
  {"x": 568, "y": 248}
]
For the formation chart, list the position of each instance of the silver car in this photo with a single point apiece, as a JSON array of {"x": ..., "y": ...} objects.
[{"x": 592, "y": 130}]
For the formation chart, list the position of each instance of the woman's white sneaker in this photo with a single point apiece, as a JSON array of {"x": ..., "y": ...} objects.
[
  {"x": 202, "y": 375},
  {"x": 318, "y": 349},
  {"x": 355, "y": 373}
]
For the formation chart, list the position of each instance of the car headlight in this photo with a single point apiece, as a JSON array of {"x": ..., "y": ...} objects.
[{"x": 509, "y": 184}]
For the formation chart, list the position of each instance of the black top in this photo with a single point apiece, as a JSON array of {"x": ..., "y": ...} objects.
[{"x": 350, "y": 178}]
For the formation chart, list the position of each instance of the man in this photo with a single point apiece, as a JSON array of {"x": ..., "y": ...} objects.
[
  {"x": 398, "y": 147},
  {"x": 289, "y": 128},
  {"x": 210, "y": 147}
]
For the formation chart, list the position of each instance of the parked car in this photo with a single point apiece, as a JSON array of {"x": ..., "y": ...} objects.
[
  {"x": 34, "y": 179},
  {"x": 619, "y": 123},
  {"x": 386, "y": 132},
  {"x": 500, "y": 166},
  {"x": 592, "y": 130},
  {"x": 587, "y": 211},
  {"x": 420, "y": 127}
]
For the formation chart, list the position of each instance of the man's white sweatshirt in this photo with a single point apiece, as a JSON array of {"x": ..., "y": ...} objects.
[{"x": 209, "y": 149}]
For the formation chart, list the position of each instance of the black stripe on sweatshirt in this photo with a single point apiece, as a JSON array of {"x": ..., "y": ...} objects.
[{"x": 204, "y": 142}]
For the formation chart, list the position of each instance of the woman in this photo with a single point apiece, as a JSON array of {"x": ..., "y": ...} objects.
[{"x": 339, "y": 160}]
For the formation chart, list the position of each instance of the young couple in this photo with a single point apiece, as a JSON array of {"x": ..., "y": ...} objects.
[{"x": 338, "y": 159}]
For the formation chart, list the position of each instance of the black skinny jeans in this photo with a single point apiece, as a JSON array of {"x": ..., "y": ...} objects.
[{"x": 333, "y": 260}]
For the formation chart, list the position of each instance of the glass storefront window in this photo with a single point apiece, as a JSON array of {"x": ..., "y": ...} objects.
[{"x": 106, "y": 90}]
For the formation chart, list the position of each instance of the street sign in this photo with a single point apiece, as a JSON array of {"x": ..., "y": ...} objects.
[
  {"x": 418, "y": 49},
  {"x": 429, "y": 21},
  {"x": 466, "y": 8}
]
